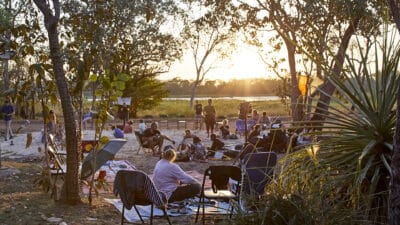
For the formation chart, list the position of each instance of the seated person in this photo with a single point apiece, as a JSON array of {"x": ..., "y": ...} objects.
[
  {"x": 255, "y": 116},
  {"x": 254, "y": 134},
  {"x": 277, "y": 137},
  {"x": 264, "y": 131},
  {"x": 172, "y": 180},
  {"x": 225, "y": 129},
  {"x": 199, "y": 151},
  {"x": 128, "y": 127},
  {"x": 118, "y": 133},
  {"x": 215, "y": 145},
  {"x": 152, "y": 137},
  {"x": 185, "y": 143},
  {"x": 142, "y": 126},
  {"x": 264, "y": 120}
]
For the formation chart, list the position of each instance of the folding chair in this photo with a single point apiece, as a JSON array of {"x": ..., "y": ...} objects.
[
  {"x": 146, "y": 149},
  {"x": 257, "y": 171},
  {"x": 219, "y": 176},
  {"x": 136, "y": 188}
]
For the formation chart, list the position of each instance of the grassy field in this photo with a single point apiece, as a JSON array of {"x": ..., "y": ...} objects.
[{"x": 227, "y": 108}]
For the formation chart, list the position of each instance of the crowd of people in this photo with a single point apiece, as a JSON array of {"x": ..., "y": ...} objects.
[{"x": 265, "y": 135}]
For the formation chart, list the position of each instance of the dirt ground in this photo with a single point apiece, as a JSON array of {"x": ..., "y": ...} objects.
[{"x": 21, "y": 202}]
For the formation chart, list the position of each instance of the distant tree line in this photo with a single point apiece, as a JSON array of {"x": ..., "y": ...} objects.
[{"x": 248, "y": 87}]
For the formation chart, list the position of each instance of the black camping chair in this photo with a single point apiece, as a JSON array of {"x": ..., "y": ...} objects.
[
  {"x": 136, "y": 188},
  {"x": 219, "y": 176}
]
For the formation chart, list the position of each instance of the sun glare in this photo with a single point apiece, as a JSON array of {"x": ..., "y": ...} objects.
[{"x": 245, "y": 63}]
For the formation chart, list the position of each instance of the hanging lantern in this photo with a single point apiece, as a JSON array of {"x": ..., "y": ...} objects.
[{"x": 303, "y": 84}]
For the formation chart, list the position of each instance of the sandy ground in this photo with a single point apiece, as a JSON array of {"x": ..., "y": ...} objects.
[
  {"x": 21, "y": 202},
  {"x": 17, "y": 147}
]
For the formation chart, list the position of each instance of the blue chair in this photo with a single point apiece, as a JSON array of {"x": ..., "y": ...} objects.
[
  {"x": 257, "y": 172},
  {"x": 240, "y": 127}
]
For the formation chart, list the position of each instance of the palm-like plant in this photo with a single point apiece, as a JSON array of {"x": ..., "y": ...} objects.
[{"x": 349, "y": 166}]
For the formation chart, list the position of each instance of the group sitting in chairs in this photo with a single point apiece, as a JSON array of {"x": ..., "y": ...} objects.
[{"x": 152, "y": 139}]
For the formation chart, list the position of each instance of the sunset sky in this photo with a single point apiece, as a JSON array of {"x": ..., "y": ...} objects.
[{"x": 244, "y": 63}]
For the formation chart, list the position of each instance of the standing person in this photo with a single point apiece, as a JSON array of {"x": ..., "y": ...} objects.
[
  {"x": 52, "y": 123},
  {"x": 172, "y": 180},
  {"x": 124, "y": 113},
  {"x": 198, "y": 114},
  {"x": 7, "y": 109},
  {"x": 209, "y": 111}
]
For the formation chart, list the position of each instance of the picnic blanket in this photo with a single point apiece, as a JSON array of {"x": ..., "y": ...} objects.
[
  {"x": 110, "y": 169},
  {"x": 145, "y": 211}
]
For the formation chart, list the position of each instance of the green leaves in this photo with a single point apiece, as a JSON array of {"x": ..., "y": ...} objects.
[{"x": 353, "y": 155}]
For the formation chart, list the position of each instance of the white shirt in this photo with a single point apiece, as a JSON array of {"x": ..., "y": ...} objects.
[{"x": 142, "y": 127}]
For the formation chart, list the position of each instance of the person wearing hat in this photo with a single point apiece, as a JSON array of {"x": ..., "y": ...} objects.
[
  {"x": 153, "y": 137},
  {"x": 7, "y": 109},
  {"x": 172, "y": 180}
]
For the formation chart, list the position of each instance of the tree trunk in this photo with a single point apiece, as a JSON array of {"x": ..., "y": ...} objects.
[
  {"x": 7, "y": 40},
  {"x": 192, "y": 95},
  {"x": 327, "y": 88},
  {"x": 295, "y": 92},
  {"x": 71, "y": 185},
  {"x": 394, "y": 186}
]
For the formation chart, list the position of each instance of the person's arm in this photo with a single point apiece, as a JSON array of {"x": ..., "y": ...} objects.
[
  {"x": 169, "y": 139},
  {"x": 219, "y": 144},
  {"x": 180, "y": 175}
]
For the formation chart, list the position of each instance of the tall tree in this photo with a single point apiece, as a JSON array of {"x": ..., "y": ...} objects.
[
  {"x": 51, "y": 13},
  {"x": 310, "y": 29},
  {"x": 209, "y": 37},
  {"x": 126, "y": 37}
]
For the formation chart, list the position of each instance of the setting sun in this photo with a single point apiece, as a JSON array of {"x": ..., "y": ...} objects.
[{"x": 244, "y": 63}]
